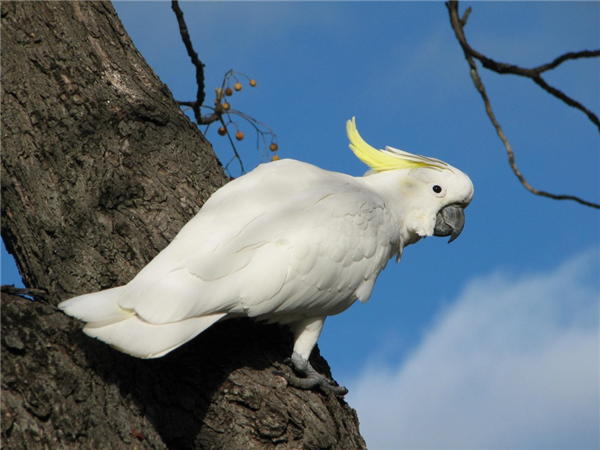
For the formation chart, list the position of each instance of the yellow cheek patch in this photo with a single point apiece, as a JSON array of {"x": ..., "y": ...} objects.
[{"x": 388, "y": 159}]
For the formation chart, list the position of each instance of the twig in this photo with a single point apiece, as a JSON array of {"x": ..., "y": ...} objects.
[
  {"x": 221, "y": 108},
  {"x": 567, "y": 56},
  {"x": 204, "y": 120},
  {"x": 457, "y": 25},
  {"x": 568, "y": 100},
  {"x": 185, "y": 36},
  {"x": 535, "y": 73},
  {"x": 39, "y": 294},
  {"x": 235, "y": 152}
]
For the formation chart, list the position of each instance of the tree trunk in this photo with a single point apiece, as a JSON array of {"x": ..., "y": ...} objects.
[{"x": 100, "y": 170}]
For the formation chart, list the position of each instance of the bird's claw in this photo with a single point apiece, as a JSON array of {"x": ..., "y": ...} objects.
[
  {"x": 320, "y": 382},
  {"x": 310, "y": 377}
]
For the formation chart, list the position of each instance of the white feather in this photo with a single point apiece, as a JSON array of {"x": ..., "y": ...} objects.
[
  {"x": 98, "y": 307},
  {"x": 139, "y": 338}
]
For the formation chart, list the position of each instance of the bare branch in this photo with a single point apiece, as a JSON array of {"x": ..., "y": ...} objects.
[
  {"x": 465, "y": 17},
  {"x": 185, "y": 36},
  {"x": 568, "y": 100},
  {"x": 236, "y": 155},
  {"x": 566, "y": 57},
  {"x": 38, "y": 294},
  {"x": 204, "y": 120},
  {"x": 457, "y": 26},
  {"x": 222, "y": 106},
  {"x": 504, "y": 68}
]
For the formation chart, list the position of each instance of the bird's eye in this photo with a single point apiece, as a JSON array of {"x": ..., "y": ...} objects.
[{"x": 438, "y": 190}]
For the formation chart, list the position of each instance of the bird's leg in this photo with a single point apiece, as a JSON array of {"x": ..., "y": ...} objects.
[
  {"x": 307, "y": 333},
  {"x": 310, "y": 377}
]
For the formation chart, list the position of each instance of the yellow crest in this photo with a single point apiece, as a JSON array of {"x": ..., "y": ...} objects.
[{"x": 388, "y": 159}]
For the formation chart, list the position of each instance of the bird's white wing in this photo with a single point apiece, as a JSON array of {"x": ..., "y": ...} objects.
[{"x": 306, "y": 242}]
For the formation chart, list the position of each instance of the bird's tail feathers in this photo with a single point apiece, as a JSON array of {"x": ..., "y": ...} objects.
[
  {"x": 98, "y": 307},
  {"x": 142, "y": 339},
  {"x": 126, "y": 331}
]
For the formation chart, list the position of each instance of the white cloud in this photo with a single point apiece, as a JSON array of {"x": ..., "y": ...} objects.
[{"x": 512, "y": 364}]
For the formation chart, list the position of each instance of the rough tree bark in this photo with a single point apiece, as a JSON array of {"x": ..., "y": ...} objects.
[{"x": 100, "y": 169}]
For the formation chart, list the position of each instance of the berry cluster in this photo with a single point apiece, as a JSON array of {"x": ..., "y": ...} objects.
[{"x": 223, "y": 108}]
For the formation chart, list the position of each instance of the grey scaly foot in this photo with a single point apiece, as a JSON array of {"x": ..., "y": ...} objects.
[{"x": 310, "y": 377}]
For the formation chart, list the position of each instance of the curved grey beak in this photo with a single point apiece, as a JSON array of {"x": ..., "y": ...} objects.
[{"x": 450, "y": 221}]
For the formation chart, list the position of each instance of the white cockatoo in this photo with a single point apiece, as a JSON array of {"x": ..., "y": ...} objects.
[{"x": 287, "y": 243}]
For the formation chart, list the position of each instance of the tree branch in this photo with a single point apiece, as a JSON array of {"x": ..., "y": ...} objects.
[
  {"x": 458, "y": 27},
  {"x": 565, "y": 98},
  {"x": 504, "y": 68},
  {"x": 566, "y": 57},
  {"x": 185, "y": 37},
  {"x": 37, "y": 294}
]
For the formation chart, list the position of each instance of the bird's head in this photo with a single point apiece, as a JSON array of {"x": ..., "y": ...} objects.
[{"x": 431, "y": 194}]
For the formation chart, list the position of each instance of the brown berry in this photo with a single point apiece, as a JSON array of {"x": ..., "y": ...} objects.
[
  {"x": 239, "y": 135},
  {"x": 275, "y": 158},
  {"x": 228, "y": 91},
  {"x": 273, "y": 147},
  {"x": 237, "y": 86},
  {"x": 222, "y": 131},
  {"x": 253, "y": 83},
  {"x": 226, "y": 106}
]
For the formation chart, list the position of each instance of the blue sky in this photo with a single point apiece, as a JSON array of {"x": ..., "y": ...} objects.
[{"x": 491, "y": 341}]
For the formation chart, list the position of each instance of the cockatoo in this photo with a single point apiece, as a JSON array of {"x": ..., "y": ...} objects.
[{"x": 287, "y": 243}]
